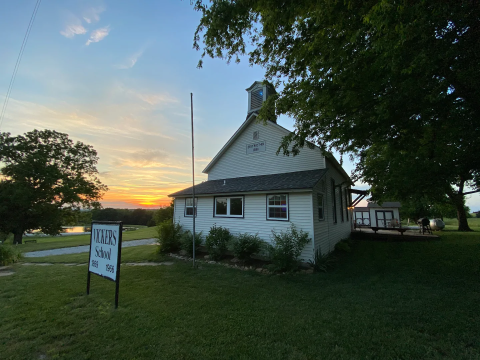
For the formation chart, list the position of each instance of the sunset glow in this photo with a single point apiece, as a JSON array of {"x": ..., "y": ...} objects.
[{"x": 118, "y": 75}]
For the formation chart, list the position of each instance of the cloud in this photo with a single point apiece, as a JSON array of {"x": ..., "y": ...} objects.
[
  {"x": 131, "y": 61},
  {"x": 98, "y": 35},
  {"x": 93, "y": 14},
  {"x": 149, "y": 98},
  {"x": 73, "y": 29},
  {"x": 154, "y": 99},
  {"x": 145, "y": 158}
]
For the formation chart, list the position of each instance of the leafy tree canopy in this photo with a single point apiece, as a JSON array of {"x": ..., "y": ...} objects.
[
  {"x": 392, "y": 83},
  {"x": 45, "y": 176}
]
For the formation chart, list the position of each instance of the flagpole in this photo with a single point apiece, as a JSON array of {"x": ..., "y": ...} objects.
[{"x": 193, "y": 181}]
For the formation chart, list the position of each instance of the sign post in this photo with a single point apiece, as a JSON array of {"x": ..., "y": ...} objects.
[{"x": 105, "y": 252}]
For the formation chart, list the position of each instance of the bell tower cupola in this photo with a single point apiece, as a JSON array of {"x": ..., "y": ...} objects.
[{"x": 258, "y": 92}]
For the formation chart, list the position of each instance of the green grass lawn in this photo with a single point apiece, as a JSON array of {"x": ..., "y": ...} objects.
[
  {"x": 131, "y": 254},
  {"x": 56, "y": 242},
  {"x": 384, "y": 300},
  {"x": 452, "y": 224}
]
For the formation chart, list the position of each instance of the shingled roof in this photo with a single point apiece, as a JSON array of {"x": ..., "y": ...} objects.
[{"x": 287, "y": 181}]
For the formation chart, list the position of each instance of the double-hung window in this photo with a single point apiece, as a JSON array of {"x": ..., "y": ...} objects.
[
  {"x": 347, "y": 202},
  {"x": 341, "y": 202},
  {"x": 229, "y": 206},
  {"x": 189, "y": 206},
  {"x": 334, "y": 201},
  {"x": 320, "y": 205},
  {"x": 277, "y": 207}
]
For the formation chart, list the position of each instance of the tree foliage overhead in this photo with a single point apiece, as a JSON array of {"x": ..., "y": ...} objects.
[
  {"x": 393, "y": 83},
  {"x": 45, "y": 176}
]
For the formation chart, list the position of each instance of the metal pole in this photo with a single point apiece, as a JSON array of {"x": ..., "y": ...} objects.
[{"x": 193, "y": 181}]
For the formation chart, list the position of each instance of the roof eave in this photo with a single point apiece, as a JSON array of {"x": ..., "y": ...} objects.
[{"x": 272, "y": 191}]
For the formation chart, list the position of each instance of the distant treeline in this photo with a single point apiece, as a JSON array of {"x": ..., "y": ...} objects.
[
  {"x": 145, "y": 217},
  {"x": 128, "y": 216}
]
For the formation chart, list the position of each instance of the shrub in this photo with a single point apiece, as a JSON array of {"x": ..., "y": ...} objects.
[
  {"x": 217, "y": 242},
  {"x": 187, "y": 242},
  {"x": 322, "y": 262},
  {"x": 245, "y": 245},
  {"x": 169, "y": 234},
  {"x": 9, "y": 255},
  {"x": 3, "y": 237},
  {"x": 343, "y": 246},
  {"x": 287, "y": 247}
]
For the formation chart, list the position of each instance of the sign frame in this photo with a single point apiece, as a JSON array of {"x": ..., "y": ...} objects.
[{"x": 119, "y": 257}]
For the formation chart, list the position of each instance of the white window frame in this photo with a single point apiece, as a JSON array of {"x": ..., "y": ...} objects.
[
  {"x": 278, "y": 206},
  {"x": 322, "y": 205},
  {"x": 191, "y": 206},
  {"x": 228, "y": 206}
]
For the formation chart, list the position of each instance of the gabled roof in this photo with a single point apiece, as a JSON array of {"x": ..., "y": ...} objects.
[
  {"x": 251, "y": 117},
  {"x": 260, "y": 83},
  {"x": 287, "y": 181},
  {"x": 386, "y": 204}
]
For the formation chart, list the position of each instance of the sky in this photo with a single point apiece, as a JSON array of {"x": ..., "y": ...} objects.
[{"x": 118, "y": 75}]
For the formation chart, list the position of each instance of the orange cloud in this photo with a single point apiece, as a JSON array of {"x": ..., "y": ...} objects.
[{"x": 139, "y": 197}]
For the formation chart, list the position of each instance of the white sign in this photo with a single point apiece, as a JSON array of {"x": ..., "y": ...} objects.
[
  {"x": 256, "y": 147},
  {"x": 104, "y": 248}
]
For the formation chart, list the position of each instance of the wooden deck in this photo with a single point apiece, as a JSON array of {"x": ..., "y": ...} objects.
[{"x": 391, "y": 235}]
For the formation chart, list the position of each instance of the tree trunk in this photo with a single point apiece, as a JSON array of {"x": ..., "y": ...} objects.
[
  {"x": 458, "y": 199},
  {"x": 17, "y": 236},
  {"x": 462, "y": 218}
]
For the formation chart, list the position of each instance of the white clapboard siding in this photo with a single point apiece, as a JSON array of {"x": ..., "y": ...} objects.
[
  {"x": 235, "y": 162},
  {"x": 327, "y": 233},
  {"x": 254, "y": 220}
]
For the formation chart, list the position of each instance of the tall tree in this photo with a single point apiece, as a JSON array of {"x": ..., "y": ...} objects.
[
  {"x": 392, "y": 83},
  {"x": 45, "y": 175}
]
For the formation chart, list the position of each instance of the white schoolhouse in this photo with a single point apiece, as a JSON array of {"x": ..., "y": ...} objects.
[{"x": 252, "y": 190}]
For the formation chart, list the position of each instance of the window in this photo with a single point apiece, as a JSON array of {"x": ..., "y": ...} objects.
[
  {"x": 341, "y": 202},
  {"x": 189, "y": 206},
  {"x": 256, "y": 135},
  {"x": 277, "y": 207},
  {"x": 321, "y": 214},
  {"x": 229, "y": 206},
  {"x": 362, "y": 218},
  {"x": 334, "y": 202},
  {"x": 347, "y": 202}
]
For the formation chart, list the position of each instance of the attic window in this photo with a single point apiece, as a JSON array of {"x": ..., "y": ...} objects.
[
  {"x": 256, "y": 135},
  {"x": 256, "y": 99}
]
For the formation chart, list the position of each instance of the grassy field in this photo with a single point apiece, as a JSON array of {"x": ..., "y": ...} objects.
[
  {"x": 56, "y": 242},
  {"x": 383, "y": 301},
  {"x": 452, "y": 224}
]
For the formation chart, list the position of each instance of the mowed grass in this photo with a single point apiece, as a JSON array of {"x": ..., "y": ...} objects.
[
  {"x": 389, "y": 300},
  {"x": 142, "y": 253},
  {"x": 56, "y": 242},
  {"x": 452, "y": 224}
]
